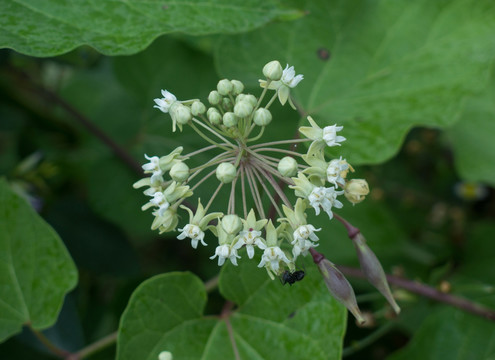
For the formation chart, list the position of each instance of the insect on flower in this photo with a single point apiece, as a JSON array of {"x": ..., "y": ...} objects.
[{"x": 292, "y": 277}]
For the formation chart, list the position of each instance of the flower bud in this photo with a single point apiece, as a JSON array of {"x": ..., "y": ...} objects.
[
  {"x": 226, "y": 172},
  {"x": 238, "y": 87},
  {"x": 166, "y": 222},
  {"x": 181, "y": 113},
  {"x": 179, "y": 172},
  {"x": 229, "y": 119},
  {"x": 262, "y": 117},
  {"x": 214, "y": 98},
  {"x": 227, "y": 104},
  {"x": 243, "y": 109},
  {"x": 165, "y": 355},
  {"x": 198, "y": 108},
  {"x": 231, "y": 224},
  {"x": 224, "y": 87},
  {"x": 273, "y": 70},
  {"x": 373, "y": 269},
  {"x": 251, "y": 99},
  {"x": 339, "y": 287},
  {"x": 287, "y": 166},
  {"x": 214, "y": 116},
  {"x": 355, "y": 190}
]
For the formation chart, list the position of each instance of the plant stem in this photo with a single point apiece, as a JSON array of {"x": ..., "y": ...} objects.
[
  {"x": 200, "y": 133},
  {"x": 48, "y": 344},
  {"x": 274, "y": 203},
  {"x": 94, "y": 347},
  {"x": 271, "y": 143},
  {"x": 368, "y": 340},
  {"x": 213, "y": 132}
]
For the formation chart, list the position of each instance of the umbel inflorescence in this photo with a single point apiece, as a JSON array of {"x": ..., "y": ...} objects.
[{"x": 252, "y": 173}]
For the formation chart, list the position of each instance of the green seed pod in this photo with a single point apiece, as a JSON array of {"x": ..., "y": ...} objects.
[
  {"x": 262, "y": 117},
  {"x": 373, "y": 269},
  {"x": 339, "y": 287}
]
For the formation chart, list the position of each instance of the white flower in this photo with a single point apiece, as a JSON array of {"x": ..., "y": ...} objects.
[
  {"x": 336, "y": 171},
  {"x": 250, "y": 238},
  {"x": 273, "y": 255},
  {"x": 225, "y": 252},
  {"x": 289, "y": 77},
  {"x": 194, "y": 233},
  {"x": 330, "y": 135},
  {"x": 159, "y": 200},
  {"x": 305, "y": 232},
  {"x": 302, "y": 247},
  {"x": 165, "y": 103},
  {"x": 326, "y": 198},
  {"x": 153, "y": 166}
]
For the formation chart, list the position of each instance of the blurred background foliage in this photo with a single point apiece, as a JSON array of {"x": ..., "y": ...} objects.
[{"x": 412, "y": 83}]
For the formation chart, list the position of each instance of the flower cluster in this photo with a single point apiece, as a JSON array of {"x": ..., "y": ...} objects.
[
  {"x": 252, "y": 176},
  {"x": 249, "y": 172}
]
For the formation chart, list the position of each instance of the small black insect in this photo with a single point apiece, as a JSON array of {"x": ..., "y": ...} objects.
[{"x": 291, "y": 278}]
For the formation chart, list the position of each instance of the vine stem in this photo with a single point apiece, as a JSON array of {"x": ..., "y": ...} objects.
[
  {"x": 225, "y": 315},
  {"x": 94, "y": 347}
]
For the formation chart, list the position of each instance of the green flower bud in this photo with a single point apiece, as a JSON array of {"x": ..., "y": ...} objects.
[
  {"x": 198, "y": 108},
  {"x": 251, "y": 99},
  {"x": 224, "y": 87},
  {"x": 337, "y": 284},
  {"x": 238, "y": 87},
  {"x": 179, "y": 172},
  {"x": 262, "y": 117},
  {"x": 355, "y": 190},
  {"x": 273, "y": 70},
  {"x": 231, "y": 224},
  {"x": 227, "y": 104},
  {"x": 373, "y": 269},
  {"x": 226, "y": 172},
  {"x": 181, "y": 113},
  {"x": 214, "y": 116},
  {"x": 287, "y": 166},
  {"x": 243, "y": 109},
  {"x": 229, "y": 119},
  {"x": 214, "y": 98}
]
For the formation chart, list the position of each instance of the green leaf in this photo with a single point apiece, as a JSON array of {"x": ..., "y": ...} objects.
[
  {"x": 451, "y": 334},
  {"x": 165, "y": 314},
  {"x": 36, "y": 270},
  {"x": 376, "y": 67},
  {"x": 51, "y": 27},
  {"x": 472, "y": 138}
]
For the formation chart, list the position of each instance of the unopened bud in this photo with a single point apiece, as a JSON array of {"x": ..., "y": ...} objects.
[
  {"x": 373, "y": 269},
  {"x": 238, "y": 87},
  {"x": 262, "y": 117},
  {"x": 181, "y": 113},
  {"x": 165, "y": 355},
  {"x": 243, "y": 109},
  {"x": 224, "y": 87},
  {"x": 214, "y": 98},
  {"x": 231, "y": 224},
  {"x": 227, "y": 104},
  {"x": 179, "y": 172},
  {"x": 355, "y": 190},
  {"x": 287, "y": 166},
  {"x": 214, "y": 116},
  {"x": 226, "y": 172},
  {"x": 339, "y": 287},
  {"x": 229, "y": 119},
  {"x": 198, "y": 108},
  {"x": 273, "y": 70}
]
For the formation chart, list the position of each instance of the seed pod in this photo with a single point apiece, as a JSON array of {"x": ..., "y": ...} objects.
[
  {"x": 373, "y": 269},
  {"x": 337, "y": 284}
]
